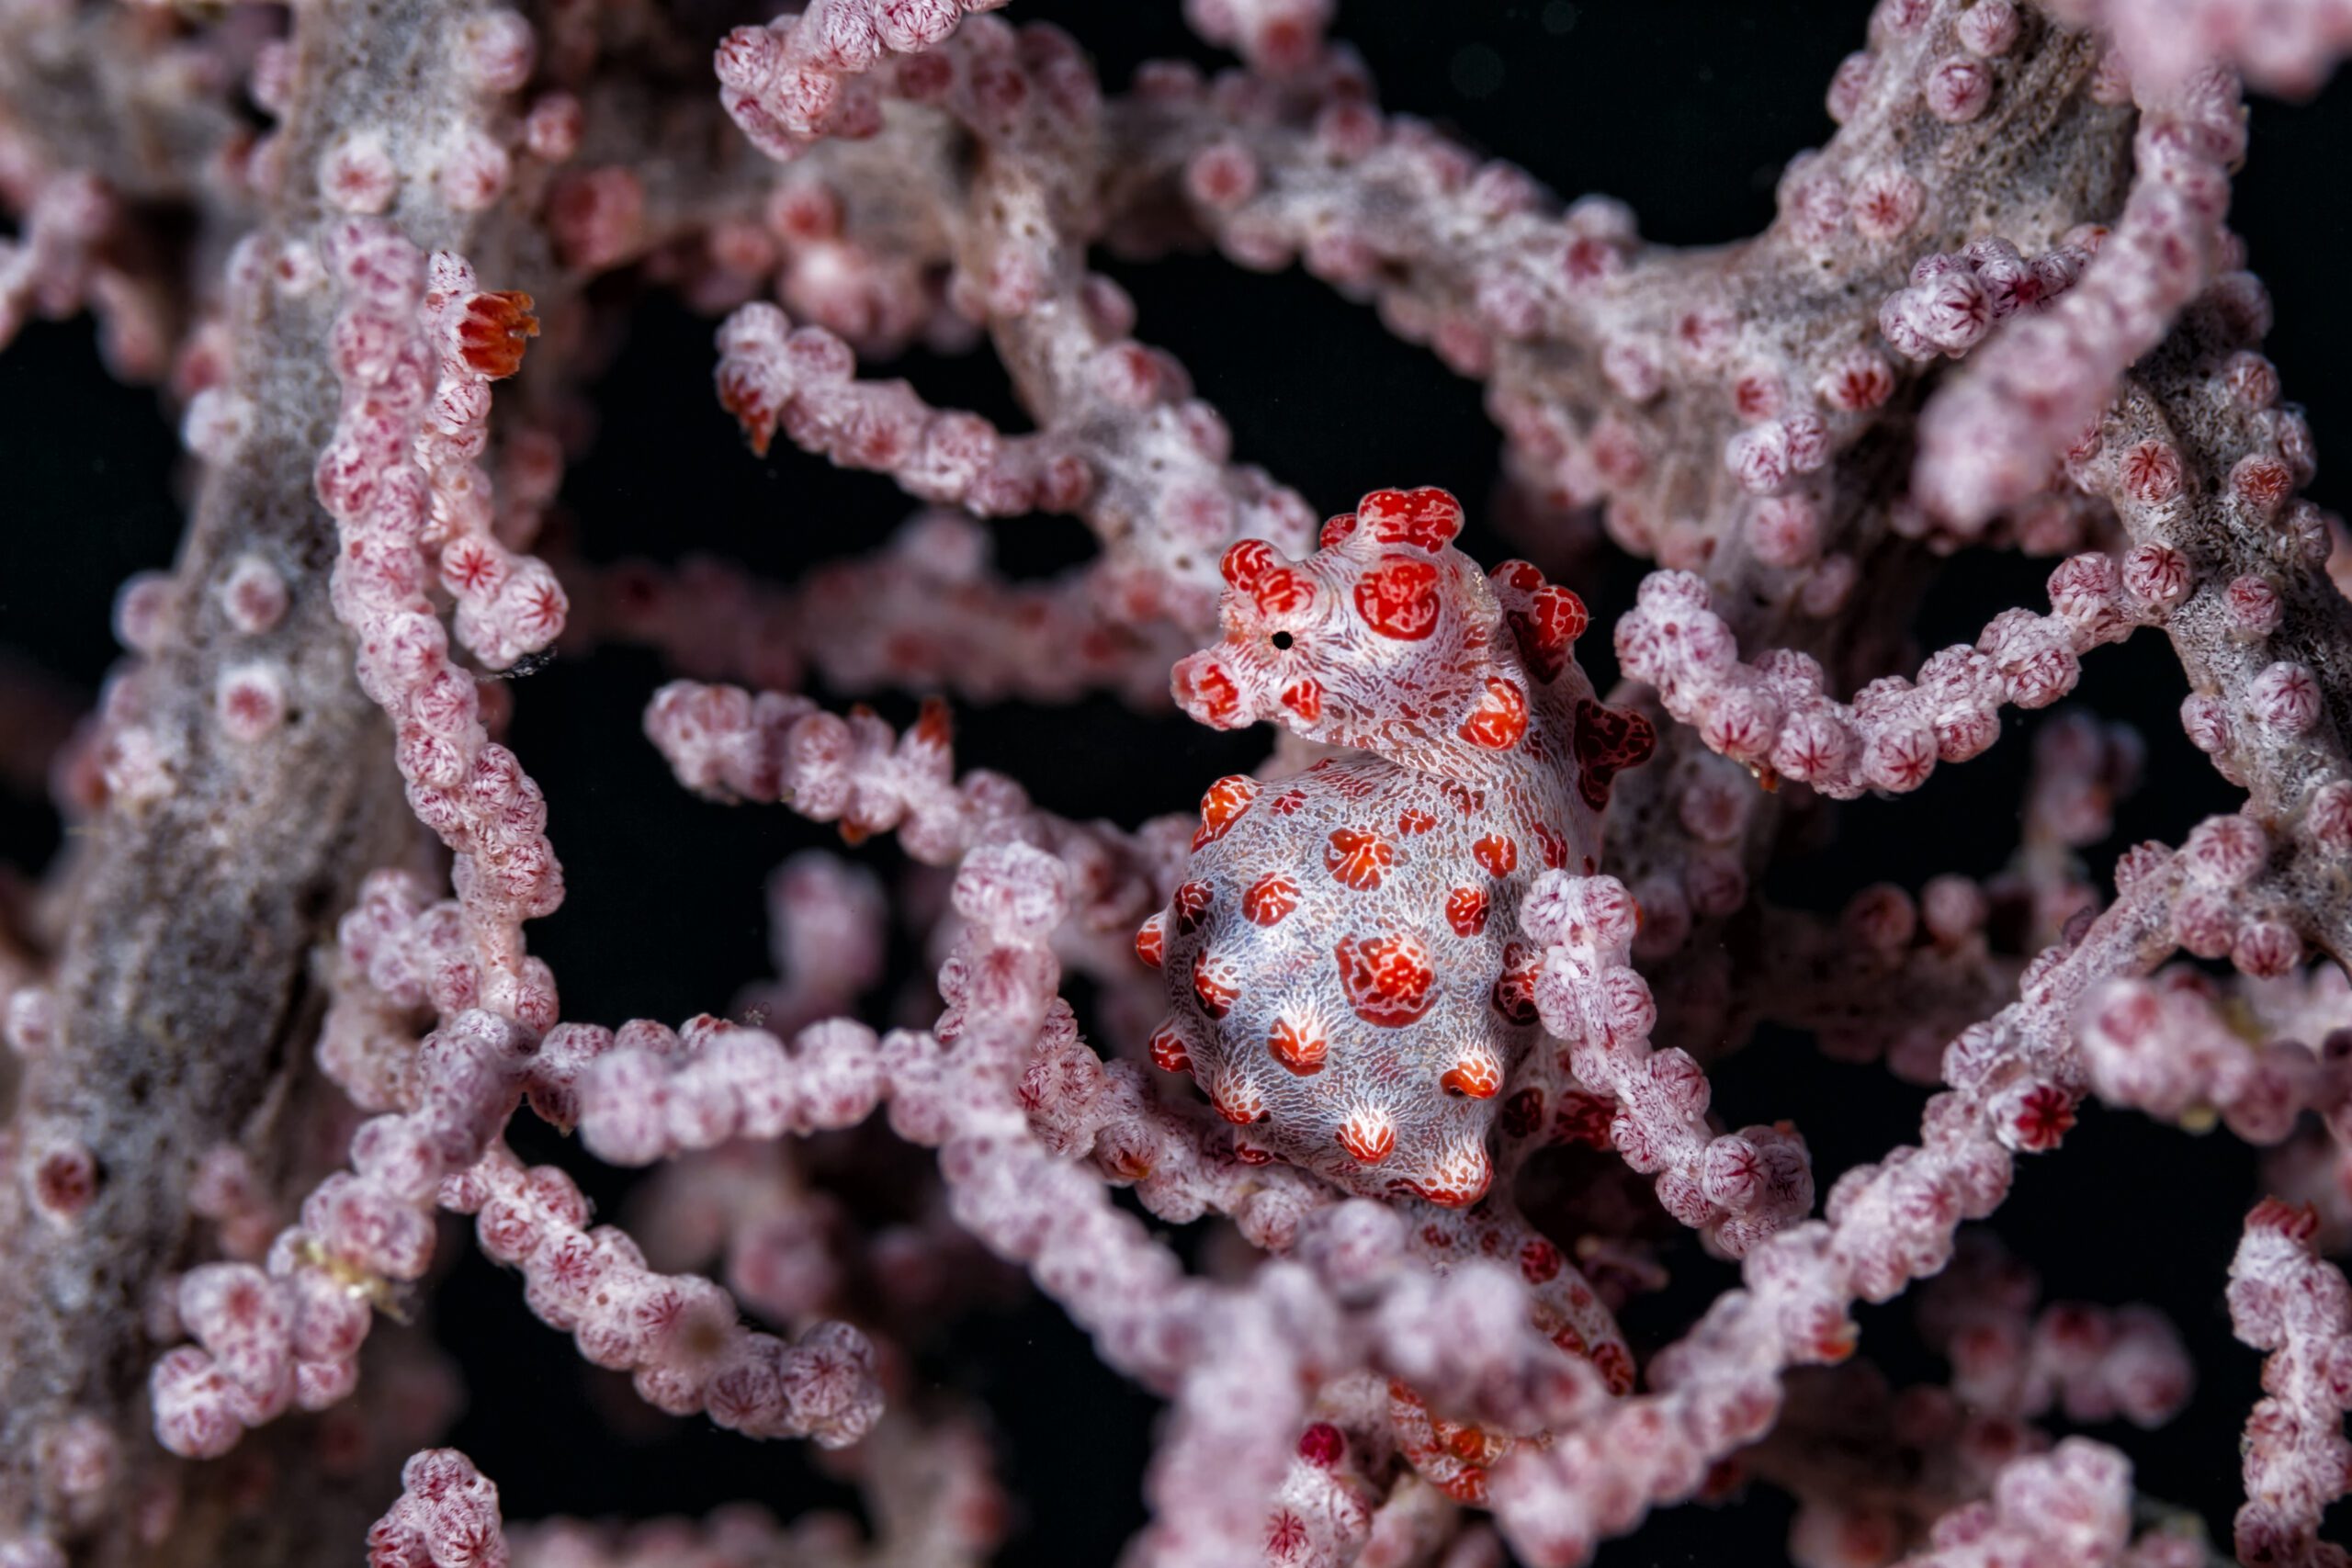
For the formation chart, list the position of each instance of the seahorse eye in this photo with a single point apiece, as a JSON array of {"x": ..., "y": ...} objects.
[{"x": 1282, "y": 640}]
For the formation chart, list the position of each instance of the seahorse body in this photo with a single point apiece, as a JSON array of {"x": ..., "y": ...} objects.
[{"x": 1346, "y": 972}]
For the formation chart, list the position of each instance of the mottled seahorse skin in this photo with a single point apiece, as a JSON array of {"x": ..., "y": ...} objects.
[{"x": 1346, "y": 975}]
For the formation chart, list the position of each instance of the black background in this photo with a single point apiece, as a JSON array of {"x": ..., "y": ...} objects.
[{"x": 1688, "y": 111}]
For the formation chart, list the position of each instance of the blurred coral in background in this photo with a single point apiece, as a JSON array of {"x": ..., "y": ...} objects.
[{"x": 1498, "y": 1111}]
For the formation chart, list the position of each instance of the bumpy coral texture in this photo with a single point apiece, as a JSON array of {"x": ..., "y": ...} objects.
[
  {"x": 1347, "y": 976},
  {"x": 284, "y": 1000}
]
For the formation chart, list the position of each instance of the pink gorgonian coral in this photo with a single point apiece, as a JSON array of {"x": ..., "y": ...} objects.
[{"x": 1474, "y": 1009}]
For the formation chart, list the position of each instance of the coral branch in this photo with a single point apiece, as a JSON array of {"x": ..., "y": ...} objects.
[
  {"x": 446, "y": 1516},
  {"x": 1741, "y": 1186},
  {"x": 1380, "y": 1088},
  {"x": 2285, "y": 1298},
  {"x": 2015, "y": 1080},
  {"x": 798, "y": 78},
  {"x": 2287, "y": 47},
  {"x": 1988, "y": 441},
  {"x": 1776, "y": 715}
]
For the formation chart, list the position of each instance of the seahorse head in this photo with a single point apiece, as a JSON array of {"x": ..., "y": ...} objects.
[{"x": 1390, "y": 640}]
